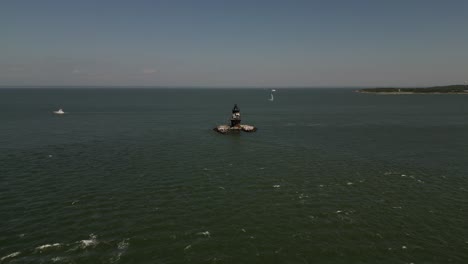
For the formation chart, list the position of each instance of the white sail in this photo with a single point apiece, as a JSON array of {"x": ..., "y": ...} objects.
[
  {"x": 271, "y": 97},
  {"x": 59, "y": 112}
]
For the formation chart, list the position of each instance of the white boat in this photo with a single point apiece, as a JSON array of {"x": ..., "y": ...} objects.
[{"x": 59, "y": 112}]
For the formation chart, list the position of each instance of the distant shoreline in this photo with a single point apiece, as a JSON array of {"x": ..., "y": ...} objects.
[
  {"x": 450, "y": 89},
  {"x": 403, "y": 93}
]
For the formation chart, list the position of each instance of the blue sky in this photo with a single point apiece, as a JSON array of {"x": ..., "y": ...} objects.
[{"x": 234, "y": 43}]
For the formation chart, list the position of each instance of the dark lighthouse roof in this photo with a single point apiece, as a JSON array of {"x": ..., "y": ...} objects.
[{"x": 235, "y": 109}]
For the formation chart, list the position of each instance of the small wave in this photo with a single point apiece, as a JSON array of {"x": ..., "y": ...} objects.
[
  {"x": 313, "y": 124},
  {"x": 276, "y": 186},
  {"x": 92, "y": 241},
  {"x": 206, "y": 233},
  {"x": 46, "y": 246},
  {"x": 12, "y": 255},
  {"x": 57, "y": 259},
  {"x": 122, "y": 247}
]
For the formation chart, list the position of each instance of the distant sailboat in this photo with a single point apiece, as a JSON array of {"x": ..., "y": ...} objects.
[
  {"x": 59, "y": 112},
  {"x": 271, "y": 95}
]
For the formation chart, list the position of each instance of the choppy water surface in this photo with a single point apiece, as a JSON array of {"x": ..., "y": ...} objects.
[{"x": 138, "y": 176}]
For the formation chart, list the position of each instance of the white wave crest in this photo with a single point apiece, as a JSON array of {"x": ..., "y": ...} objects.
[
  {"x": 206, "y": 233},
  {"x": 48, "y": 246},
  {"x": 12, "y": 255},
  {"x": 92, "y": 241}
]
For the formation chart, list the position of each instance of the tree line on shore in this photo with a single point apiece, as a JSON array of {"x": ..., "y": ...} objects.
[{"x": 436, "y": 89}]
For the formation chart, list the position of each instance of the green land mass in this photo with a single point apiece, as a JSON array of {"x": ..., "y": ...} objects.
[{"x": 449, "y": 89}]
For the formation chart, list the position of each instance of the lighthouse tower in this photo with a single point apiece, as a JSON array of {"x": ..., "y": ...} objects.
[{"x": 236, "y": 118}]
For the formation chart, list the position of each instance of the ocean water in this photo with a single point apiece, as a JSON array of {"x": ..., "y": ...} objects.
[{"x": 138, "y": 176}]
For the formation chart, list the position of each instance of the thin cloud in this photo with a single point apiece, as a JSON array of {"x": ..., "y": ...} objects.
[
  {"x": 76, "y": 71},
  {"x": 149, "y": 71}
]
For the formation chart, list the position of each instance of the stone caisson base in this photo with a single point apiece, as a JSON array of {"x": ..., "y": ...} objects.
[{"x": 224, "y": 129}]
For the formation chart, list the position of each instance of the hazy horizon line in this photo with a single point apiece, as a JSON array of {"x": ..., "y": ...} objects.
[{"x": 206, "y": 87}]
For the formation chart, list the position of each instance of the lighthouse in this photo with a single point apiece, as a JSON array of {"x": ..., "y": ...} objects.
[
  {"x": 236, "y": 117},
  {"x": 235, "y": 125}
]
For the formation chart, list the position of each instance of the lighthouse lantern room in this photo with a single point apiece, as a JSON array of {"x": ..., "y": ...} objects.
[{"x": 236, "y": 117}]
